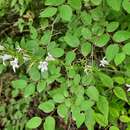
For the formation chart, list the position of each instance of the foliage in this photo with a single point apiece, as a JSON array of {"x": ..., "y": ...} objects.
[{"x": 65, "y": 62}]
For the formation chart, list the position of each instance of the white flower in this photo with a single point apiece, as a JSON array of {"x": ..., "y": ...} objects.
[
  {"x": 14, "y": 64},
  {"x": 5, "y": 57},
  {"x": 104, "y": 62},
  {"x": 128, "y": 85},
  {"x": 49, "y": 57},
  {"x": 19, "y": 49},
  {"x": 43, "y": 66},
  {"x": 1, "y": 48}
]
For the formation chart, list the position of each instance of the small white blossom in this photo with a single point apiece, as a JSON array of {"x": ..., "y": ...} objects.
[
  {"x": 19, "y": 49},
  {"x": 104, "y": 62},
  {"x": 14, "y": 64},
  {"x": 49, "y": 57},
  {"x": 128, "y": 86},
  {"x": 43, "y": 66},
  {"x": 5, "y": 57},
  {"x": 1, "y": 48}
]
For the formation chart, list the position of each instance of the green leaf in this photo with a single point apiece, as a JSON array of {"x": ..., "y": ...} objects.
[
  {"x": 86, "y": 33},
  {"x": 86, "y": 18},
  {"x": 65, "y": 12},
  {"x": 112, "y": 26},
  {"x": 101, "y": 120},
  {"x": 113, "y": 128},
  {"x": 41, "y": 86},
  {"x": 58, "y": 98},
  {"x": 92, "y": 93},
  {"x": 115, "y": 4},
  {"x": 47, "y": 106},
  {"x": 96, "y": 2},
  {"x": 86, "y": 48},
  {"x": 62, "y": 110},
  {"x": 48, "y": 12},
  {"x": 102, "y": 40},
  {"x": 76, "y": 4},
  {"x": 54, "y": 2},
  {"x": 124, "y": 118},
  {"x": 70, "y": 56},
  {"x": 121, "y": 36},
  {"x": 34, "y": 74},
  {"x": 119, "y": 58},
  {"x": 29, "y": 90},
  {"x": 90, "y": 119},
  {"x": 77, "y": 116},
  {"x": 72, "y": 40},
  {"x": 19, "y": 84},
  {"x": 34, "y": 122},
  {"x": 111, "y": 51},
  {"x": 119, "y": 79},
  {"x": 49, "y": 123},
  {"x": 106, "y": 80},
  {"x": 57, "y": 52},
  {"x": 120, "y": 93},
  {"x": 103, "y": 105},
  {"x": 126, "y": 5},
  {"x": 126, "y": 48}
]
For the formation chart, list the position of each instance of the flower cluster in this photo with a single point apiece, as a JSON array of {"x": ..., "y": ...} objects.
[{"x": 43, "y": 65}]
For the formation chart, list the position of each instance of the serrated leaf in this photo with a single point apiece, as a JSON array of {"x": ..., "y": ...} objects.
[
  {"x": 47, "y": 106},
  {"x": 101, "y": 120},
  {"x": 120, "y": 93},
  {"x": 86, "y": 33},
  {"x": 34, "y": 122},
  {"x": 96, "y": 2},
  {"x": 72, "y": 40},
  {"x": 86, "y": 18},
  {"x": 62, "y": 110},
  {"x": 90, "y": 120},
  {"x": 48, "y": 12},
  {"x": 34, "y": 74},
  {"x": 106, "y": 80},
  {"x": 124, "y": 118},
  {"x": 58, "y": 98},
  {"x": 92, "y": 93},
  {"x": 29, "y": 90},
  {"x": 41, "y": 86},
  {"x": 102, "y": 40},
  {"x": 115, "y": 4},
  {"x": 57, "y": 52},
  {"x": 103, "y": 105},
  {"x": 119, "y": 58},
  {"x": 121, "y": 36},
  {"x": 113, "y": 128},
  {"x": 19, "y": 84},
  {"x": 126, "y": 5},
  {"x": 65, "y": 12},
  {"x": 49, "y": 123},
  {"x": 77, "y": 116},
  {"x": 112, "y": 26},
  {"x": 70, "y": 56},
  {"x": 76, "y": 4},
  {"x": 86, "y": 48},
  {"x": 54, "y": 2},
  {"x": 126, "y": 48},
  {"x": 111, "y": 51}
]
